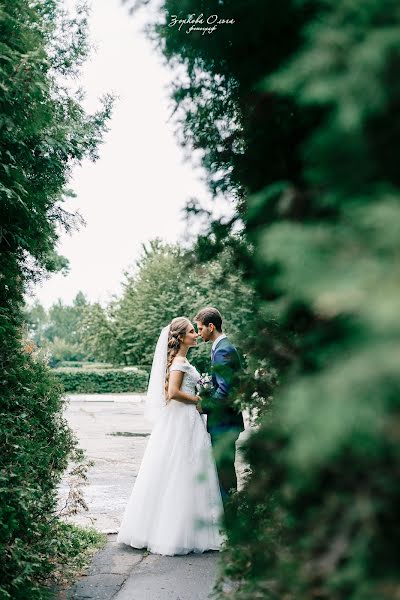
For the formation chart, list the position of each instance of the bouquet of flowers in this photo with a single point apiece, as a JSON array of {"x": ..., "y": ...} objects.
[{"x": 204, "y": 386}]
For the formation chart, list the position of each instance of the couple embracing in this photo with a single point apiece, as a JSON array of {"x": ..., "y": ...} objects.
[{"x": 176, "y": 505}]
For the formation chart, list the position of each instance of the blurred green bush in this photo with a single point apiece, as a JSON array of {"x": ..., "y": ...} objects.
[{"x": 294, "y": 110}]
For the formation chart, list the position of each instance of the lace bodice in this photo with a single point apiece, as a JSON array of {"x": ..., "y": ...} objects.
[{"x": 190, "y": 378}]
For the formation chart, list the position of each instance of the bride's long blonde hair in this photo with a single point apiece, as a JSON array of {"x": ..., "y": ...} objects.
[{"x": 177, "y": 330}]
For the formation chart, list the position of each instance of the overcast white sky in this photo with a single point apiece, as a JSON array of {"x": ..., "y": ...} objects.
[{"x": 138, "y": 187}]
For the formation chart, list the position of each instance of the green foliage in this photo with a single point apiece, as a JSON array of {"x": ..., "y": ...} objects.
[
  {"x": 76, "y": 364},
  {"x": 59, "y": 350},
  {"x": 160, "y": 289},
  {"x": 44, "y": 132},
  {"x": 99, "y": 335},
  {"x": 72, "y": 551},
  {"x": 36, "y": 443},
  {"x": 295, "y": 111},
  {"x": 44, "y": 128},
  {"x": 64, "y": 321},
  {"x": 101, "y": 381},
  {"x": 58, "y": 330},
  {"x": 35, "y": 317}
]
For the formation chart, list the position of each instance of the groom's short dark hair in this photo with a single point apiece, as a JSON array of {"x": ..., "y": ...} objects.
[{"x": 210, "y": 315}]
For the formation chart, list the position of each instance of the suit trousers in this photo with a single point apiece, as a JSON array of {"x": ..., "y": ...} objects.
[{"x": 223, "y": 439}]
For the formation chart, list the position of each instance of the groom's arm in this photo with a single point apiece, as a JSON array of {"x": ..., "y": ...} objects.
[
  {"x": 222, "y": 370},
  {"x": 223, "y": 366}
]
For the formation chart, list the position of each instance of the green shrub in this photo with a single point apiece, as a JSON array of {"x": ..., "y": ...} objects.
[
  {"x": 36, "y": 444},
  {"x": 62, "y": 350},
  {"x": 45, "y": 132},
  {"x": 82, "y": 364},
  {"x": 73, "y": 550},
  {"x": 101, "y": 381}
]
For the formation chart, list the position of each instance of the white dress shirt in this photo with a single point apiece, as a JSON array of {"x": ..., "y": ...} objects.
[{"x": 216, "y": 342}]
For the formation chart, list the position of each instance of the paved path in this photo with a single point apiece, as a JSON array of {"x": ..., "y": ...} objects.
[
  {"x": 122, "y": 573},
  {"x": 112, "y": 430}
]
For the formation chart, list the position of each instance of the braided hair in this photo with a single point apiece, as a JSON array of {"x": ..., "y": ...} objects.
[{"x": 178, "y": 328}]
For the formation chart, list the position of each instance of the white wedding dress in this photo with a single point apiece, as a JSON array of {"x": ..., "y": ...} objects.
[{"x": 175, "y": 506}]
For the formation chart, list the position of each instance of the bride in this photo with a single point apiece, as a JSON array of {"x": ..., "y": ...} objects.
[{"x": 175, "y": 506}]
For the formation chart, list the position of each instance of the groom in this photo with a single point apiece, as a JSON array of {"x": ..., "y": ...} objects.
[{"x": 224, "y": 421}]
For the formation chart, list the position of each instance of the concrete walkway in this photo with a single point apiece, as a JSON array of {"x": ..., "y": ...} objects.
[
  {"x": 113, "y": 432},
  {"x": 122, "y": 573}
]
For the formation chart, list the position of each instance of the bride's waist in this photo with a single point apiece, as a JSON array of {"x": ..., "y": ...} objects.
[{"x": 182, "y": 405}]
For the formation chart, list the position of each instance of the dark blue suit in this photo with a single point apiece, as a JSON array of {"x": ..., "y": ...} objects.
[
  {"x": 225, "y": 369},
  {"x": 224, "y": 421}
]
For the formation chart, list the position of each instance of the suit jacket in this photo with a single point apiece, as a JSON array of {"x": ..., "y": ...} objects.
[{"x": 226, "y": 369}]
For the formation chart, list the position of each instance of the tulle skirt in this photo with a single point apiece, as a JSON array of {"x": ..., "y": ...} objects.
[{"x": 175, "y": 506}]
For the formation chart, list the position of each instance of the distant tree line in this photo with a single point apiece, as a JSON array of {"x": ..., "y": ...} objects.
[{"x": 165, "y": 282}]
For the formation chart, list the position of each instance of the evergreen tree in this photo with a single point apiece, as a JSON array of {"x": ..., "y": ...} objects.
[
  {"x": 36, "y": 320},
  {"x": 44, "y": 132},
  {"x": 58, "y": 330},
  {"x": 99, "y": 335},
  {"x": 295, "y": 110}
]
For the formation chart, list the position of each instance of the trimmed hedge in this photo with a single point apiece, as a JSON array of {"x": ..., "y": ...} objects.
[
  {"x": 79, "y": 364},
  {"x": 101, "y": 381}
]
